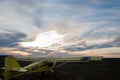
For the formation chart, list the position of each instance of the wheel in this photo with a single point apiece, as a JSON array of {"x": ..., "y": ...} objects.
[
  {"x": 43, "y": 73},
  {"x": 55, "y": 74}
]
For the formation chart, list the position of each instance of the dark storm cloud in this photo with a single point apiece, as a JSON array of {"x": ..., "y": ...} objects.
[{"x": 11, "y": 39}]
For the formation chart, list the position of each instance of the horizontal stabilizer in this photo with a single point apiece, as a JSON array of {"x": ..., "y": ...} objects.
[
  {"x": 20, "y": 69},
  {"x": 2, "y": 68}
]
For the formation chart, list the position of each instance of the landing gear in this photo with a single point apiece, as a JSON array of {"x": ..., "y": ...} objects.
[
  {"x": 55, "y": 74},
  {"x": 43, "y": 73}
]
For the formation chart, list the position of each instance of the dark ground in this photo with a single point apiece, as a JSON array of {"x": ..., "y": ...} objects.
[{"x": 107, "y": 69}]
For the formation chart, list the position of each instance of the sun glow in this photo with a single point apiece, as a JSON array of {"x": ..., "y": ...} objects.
[{"x": 44, "y": 39}]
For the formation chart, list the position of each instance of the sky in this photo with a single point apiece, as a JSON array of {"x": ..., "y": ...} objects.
[{"x": 60, "y": 28}]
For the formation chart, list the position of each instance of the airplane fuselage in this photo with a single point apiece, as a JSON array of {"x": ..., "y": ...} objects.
[{"x": 32, "y": 68}]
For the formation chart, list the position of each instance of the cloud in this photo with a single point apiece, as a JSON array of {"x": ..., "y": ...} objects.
[
  {"x": 103, "y": 32},
  {"x": 11, "y": 39},
  {"x": 86, "y": 24},
  {"x": 20, "y": 17},
  {"x": 106, "y": 52},
  {"x": 94, "y": 44},
  {"x": 116, "y": 41},
  {"x": 13, "y": 51}
]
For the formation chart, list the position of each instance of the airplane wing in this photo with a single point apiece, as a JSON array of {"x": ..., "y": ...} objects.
[
  {"x": 63, "y": 61},
  {"x": 76, "y": 59}
]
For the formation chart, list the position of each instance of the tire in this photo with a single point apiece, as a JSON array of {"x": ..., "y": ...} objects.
[{"x": 55, "y": 74}]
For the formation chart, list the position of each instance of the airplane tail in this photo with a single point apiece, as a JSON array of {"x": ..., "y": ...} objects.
[{"x": 10, "y": 64}]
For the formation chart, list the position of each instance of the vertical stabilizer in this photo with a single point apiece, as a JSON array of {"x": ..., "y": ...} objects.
[{"x": 10, "y": 64}]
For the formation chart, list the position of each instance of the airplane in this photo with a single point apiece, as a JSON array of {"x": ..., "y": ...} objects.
[{"x": 13, "y": 69}]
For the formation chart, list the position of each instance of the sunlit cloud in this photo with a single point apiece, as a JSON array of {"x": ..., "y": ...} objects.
[
  {"x": 45, "y": 39},
  {"x": 13, "y": 51}
]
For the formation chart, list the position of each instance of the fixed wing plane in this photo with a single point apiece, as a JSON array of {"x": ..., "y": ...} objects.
[{"x": 13, "y": 69}]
